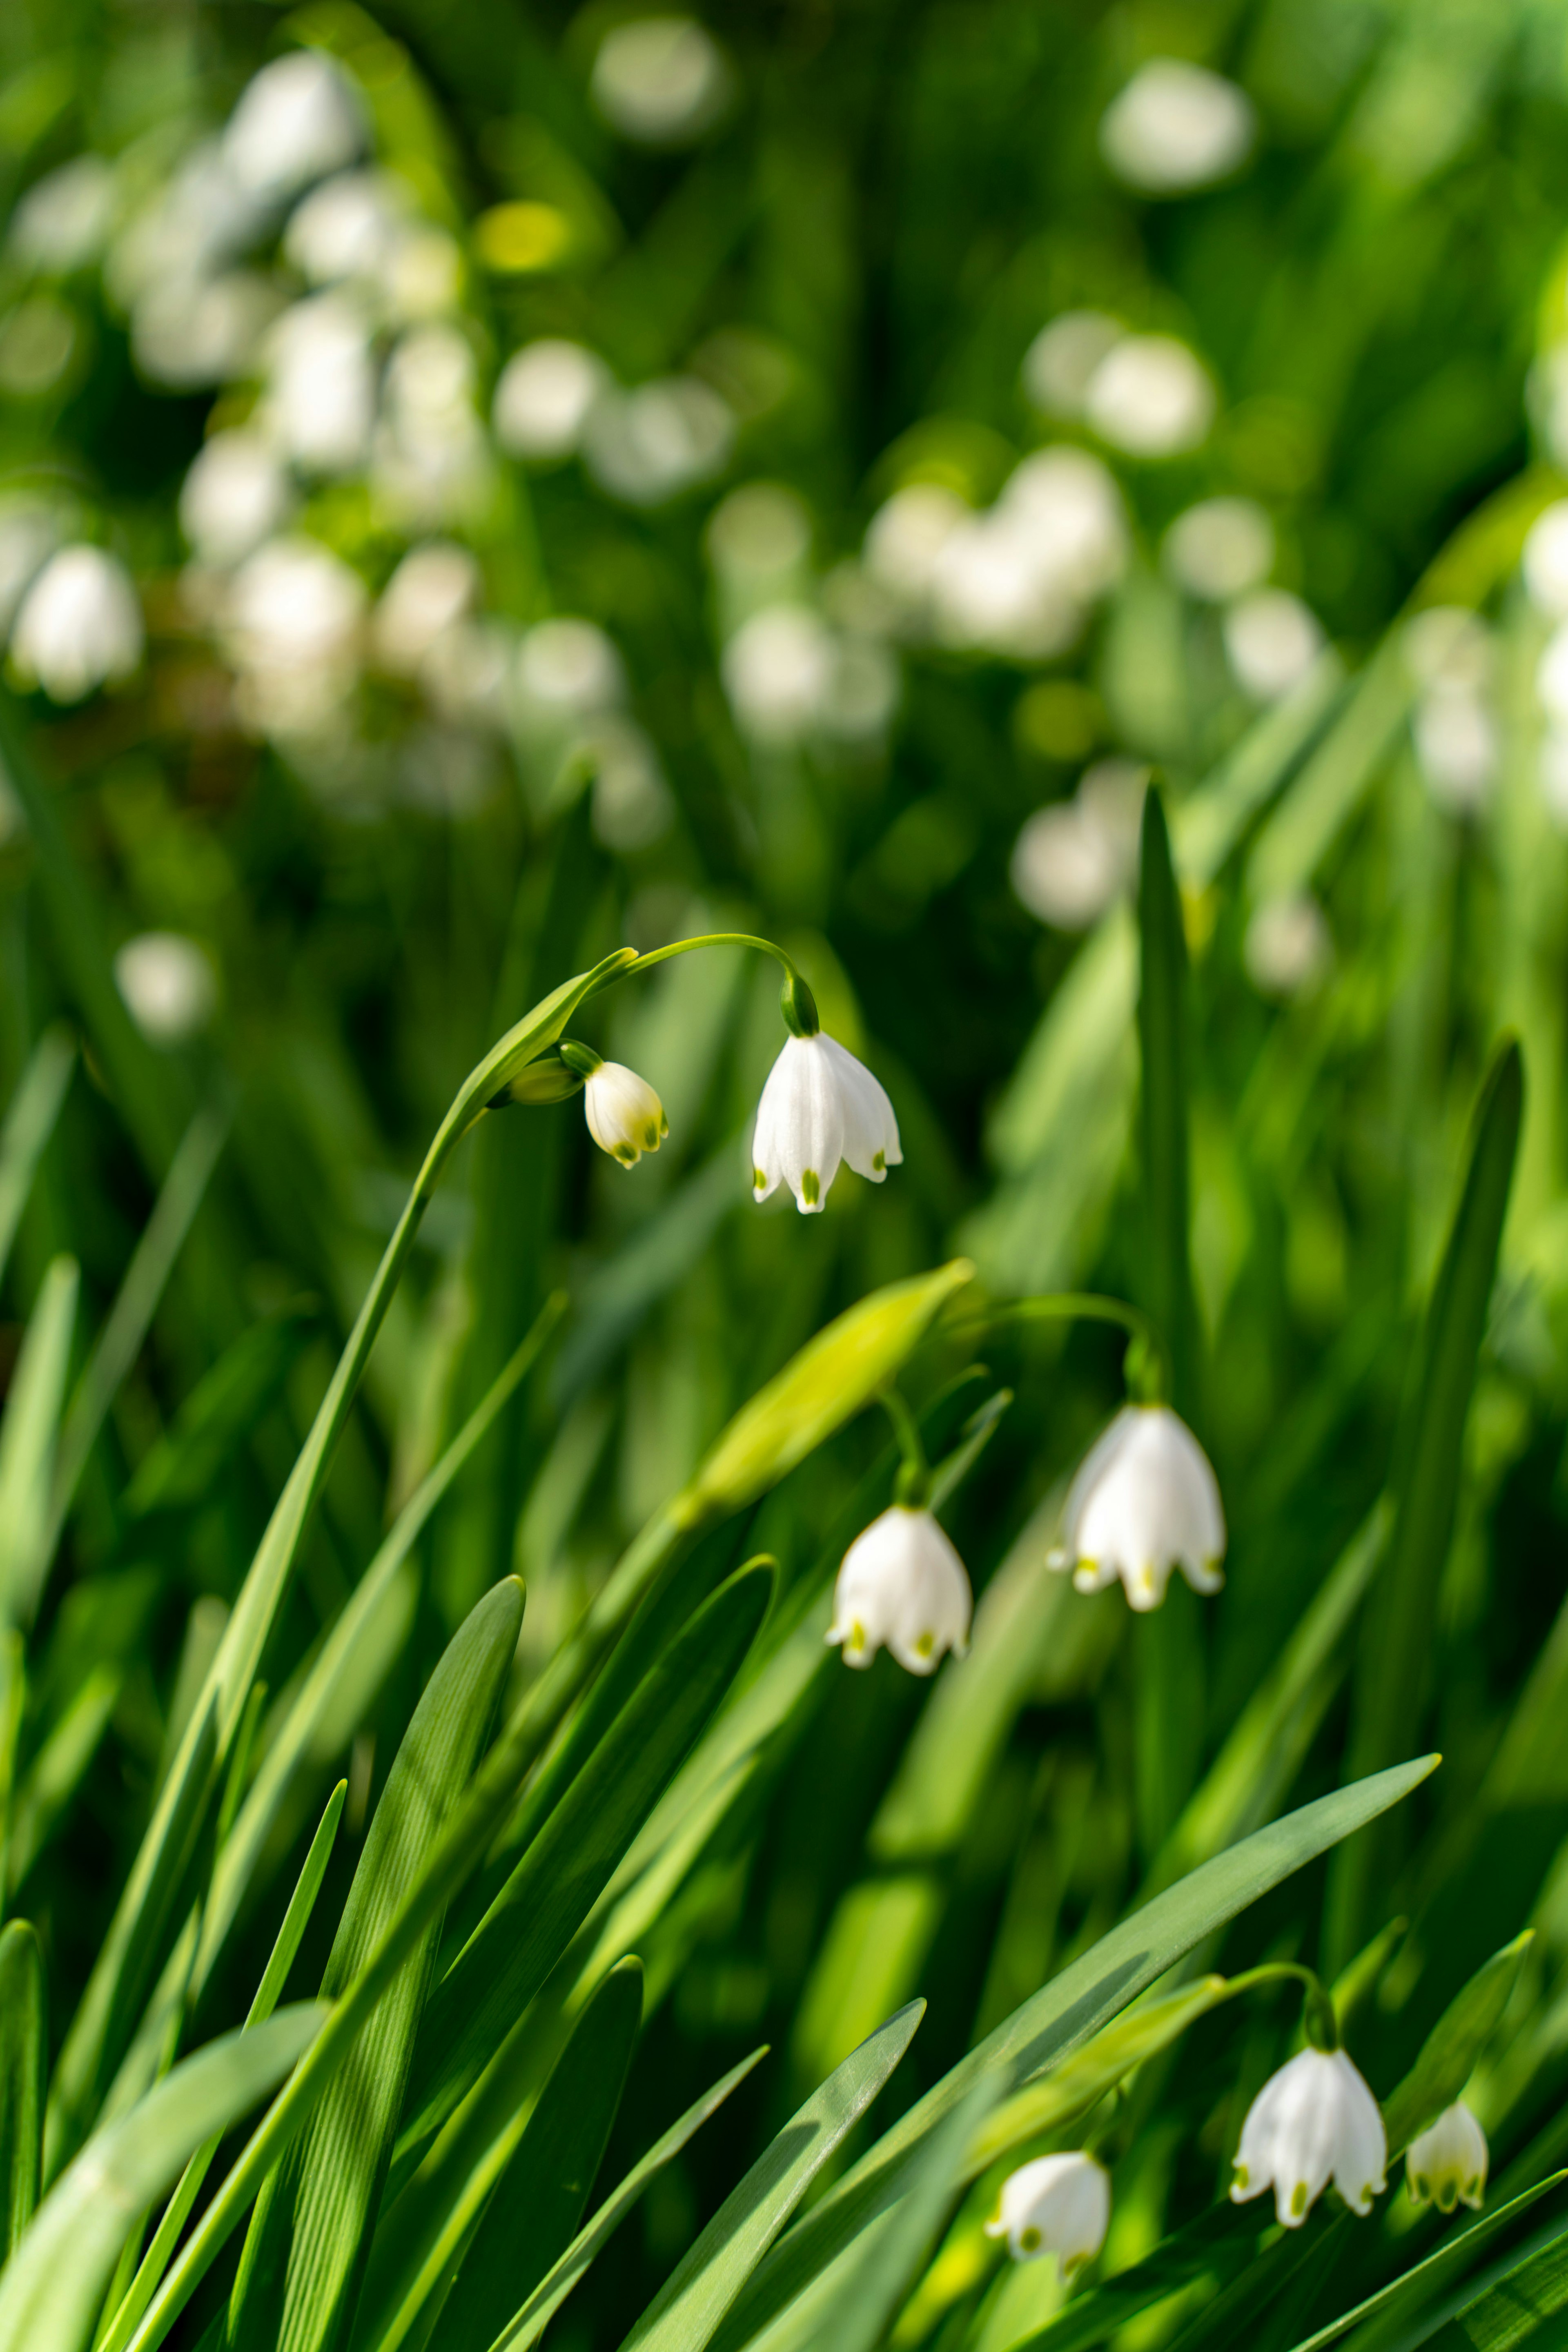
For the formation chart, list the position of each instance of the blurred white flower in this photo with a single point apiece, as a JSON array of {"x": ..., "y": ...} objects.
[
  {"x": 758, "y": 541},
  {"x": 543, "y": 397},
  {"x": 167, "y": 986},
  {"x": 190, "y": 332},
  {"x": 1220, "y": 547},
  {"x": 989, "y": 592},
  {"x": 905, "y": 539},
  {"x": 236, "y": 495},
  {"x": 901, "y": 1587},
  {"x": 820, "y": 1108},
  {"x": 346, "y": 228},
  {"x": 1545, "y": 561},
  {"x": 432, "y": 461},
  {"x": 1058, "y": 2205},
  {"x": 777, "y": 668},
  {"x": 468, "y": 670},
  {"x": 1069, "y": 511},
  {"x": 199, "y": 220},
  {"x": 298, "y": 119},
  {"x": 78, "y": 626},
  {"x": 1150, "y": 396},
  {"x": 1072, "y": 858},
  {"x": 423, "y": 277},
  {"x": 1144, "y": 1500},
  {"x": 1313, "y": 2122},
  {"x": 1448, "y": 645},
  {"x": 661, "y": 81},
  {"x": 1176, "y": 126},
  {"x": 1456, "y": 747},
  {"x": 434, "y": 587},
  {"x": 1271, "y": 640},
  {"x": 29, "y": 533},
  {"x": 864, "y": 683},
  {"x": 1446, "y": 2165},
  {"x": 632, "y": 804},
  {"x": 647, "y": 445},
  {"x": 1059, "y": 365},
  {"x": 624, "y": 1116},
  {"x": 320, "y": 404},
  {"x": 1287, "y": 947},
  {"x": 293, "y": 626},
  {"x": 568, "y": 668},
  {"x": 61, "y": 223}
]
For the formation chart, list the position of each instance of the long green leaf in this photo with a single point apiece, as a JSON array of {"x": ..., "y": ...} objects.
[
  {"x": 30, "y": 1434},
  {"x": 1385, "y": 2319},
  {"x": 58, "y": 1768},
  {"x": 1393, "y": 1655},
  {"x": 51, "y": 2289},
  {"x": 1056, "y": 2022},
  {"x": 684, "y": 2314},
  {"x": 23, "y": 2056},
  {"x": 530, "y": 2323},
  {"x": 29, "y": 1123},
  {"x": 182, "y": 1468},
  {"x": 1448, "y": 2055},
  {"x": 893, "y": 2260},
  {"x": 483, "y": 2220},
  {"x": 562, "y": 1874},
  {"x": 303, "y": 2256},
  {"x": 1518, "y": 2308}
]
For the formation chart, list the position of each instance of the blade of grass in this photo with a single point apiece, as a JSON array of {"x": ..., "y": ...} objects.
[
  {"x": 29, "y": 1435},
  {"x": 29, "y": 1123},
  {"x": 22, "y": 2062}
]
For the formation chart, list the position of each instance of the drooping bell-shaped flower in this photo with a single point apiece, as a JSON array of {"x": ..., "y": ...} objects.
[
  {"x": 1059, "y": 2205},
  {"x": 901, "y": 1587},
  {"x": 1313, "y": 2122},
  {"x": 80, "y": 626},
  {"x": 820, "y": 1106},
  {"x": 624, "y": 1116},
  {"x": 1446, "y": 2165},
  {"x": 1144, "y": 1501}
]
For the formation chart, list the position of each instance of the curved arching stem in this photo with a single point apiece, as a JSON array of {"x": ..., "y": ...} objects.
[
  {"x": 796, "y": 1002},
  {"x": 1151, "y": 1377}
]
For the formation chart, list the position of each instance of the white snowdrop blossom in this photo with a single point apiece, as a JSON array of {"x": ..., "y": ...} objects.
[
  {"x": 166, "y": 984},
  {"x": 1144, "y": 1501},
  {"x": 1220, "y": 547},
  {"x": 235, "y": 496},
  {"x": 647, "y": 445},
  {"x": 543, "y": 397},
  {"x": 79, "y": 624},
  {"x": 777, "y": 668},
  {"x": 661, "y": 82},
  {"x": 322, "y": 384},
  {"x": 1271, "y": 640},
  {"x": 292, "y": 625},
  {"x": 1313, "y": 2122},
  {"x": 433, "y": 588},
  {"x": 1288, "y": 946},
  {"x": 1150, "y": 397},
  {"x": 1176, "y": 126},
  {"x": 820, "y": 1106},
  {"x": 62, "y": 221},
  {"x": 1073, "y": 857},
  {"x": 907, "y": 535},
  {"x": 903, "y": 1587},
  {"x": 1060, "y": 362},
  {"x": 346, "y": 228},
  {"x": 298, "y": 119},
  {"x": 1059, "y": 2205},
  {"x": 624, "y": 1116},
  {"x": 1068, "y": 512},
  {"x": 568, "y": 668},
  {"x": 1446, "y": 2165}
]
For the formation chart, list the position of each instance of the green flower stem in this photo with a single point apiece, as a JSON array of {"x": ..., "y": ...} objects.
[
  {"x": 1318, "y": 2020},
  {"x": 1149, "y": 1375},
  {"x": 796, "y": 1002},
  {"x": 912, "y": 1487}
]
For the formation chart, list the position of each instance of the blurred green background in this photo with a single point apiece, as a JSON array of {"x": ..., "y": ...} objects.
[{"x": 560, "y": 478}]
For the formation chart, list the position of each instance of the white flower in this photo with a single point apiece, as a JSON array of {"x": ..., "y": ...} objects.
[
  {"x": 434, "y": 588},
  {"x": 167, "y": 986},
  {"x": 1073, "y": 857},
  {"x": 1063, "y": 357},
  {"x": 819, "y": 1106},
  {"x": 1447, "y": 2164},
  {"x": 298, "y": 119},
  {"x": 322, "y": 387},
  {"x": 661, "y": 81},
  {"x": 1271, "y": 640},
  {"x": 1175, "y": 126},
  {"x": 1313, "y": 2121},
  {"x": 1287, "y": 945},
  {"x": 79, "y": 624},
  {"x": 777, "y": 668},
  {"x": 1150, "y": 397},
  {"x": 624, "y": 1116},
  {"x": 544, "y": 397},
  {"x": 235, "y": 496},
  {"x": 1545, "y": 561},
  {"x": 62, "y": 221},
  {"x": 1144, "y": 1501},
  {"x": 650, "y": 445},
  {"x": 293, "y": 622},
  {"x": 1059, "y": 2205},
  {"x": 1220, "y": 547},
  {"x": 903, "y": 1587}
]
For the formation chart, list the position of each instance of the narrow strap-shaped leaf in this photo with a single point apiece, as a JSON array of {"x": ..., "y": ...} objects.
[
  {"x": 1169, "y": 1651},
  {"x": 1060, "y": 2017},
  {"x": 490, "y": 2211},
  {"x": 1394, "y": 1650},
  {"x": 892, "y": 2259},
  {"x": 296, "y": 1919},
  {"x": 1518, "y": 2308},
  {"x": 58, "y": 1768},
  {"x": 1448, "y": 2055},
  {"x": 51, "y": 2291},
  {"x": 13, "y": 1703},
  {"x": 563, "y": 1871},
  {"x": 528, "y": 2324},
  {"x": 30, "y": 1434},
  {"x": 302, "y": 2259},
  {"x": 29, "y": 1123},
  {"x": 181, "y": 1469},
  {"x": 684, "y": 2314},
  {"x": 22, "y": 2073}
]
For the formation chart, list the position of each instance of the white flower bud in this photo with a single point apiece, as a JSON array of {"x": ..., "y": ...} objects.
[
  {"x": 820, "y": 1106},
  {"x": 1144, "y": 1501},
  {"x": 1059, "y": 2205},
  {"x": 624, "y": 1116},
  {"x": 901, "y": 1587},
  {"x": 1313, "y": 2122},
  {"x": 79, "y": 624},
  {"x": 1446, "y": 2165}
]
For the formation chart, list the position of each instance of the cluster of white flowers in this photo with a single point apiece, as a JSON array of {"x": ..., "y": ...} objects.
[
  {"x": 1221, "y": 552},
  {"x": 1449, "y": 655},
  {"x": 1073, "y": 857},
  {"x": 644, "y": 445},
  {"x": 1147, "y": 396}
]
